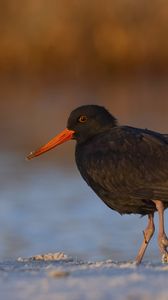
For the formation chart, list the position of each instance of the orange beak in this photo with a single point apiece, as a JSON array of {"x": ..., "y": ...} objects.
[{"x": 64, "y": 136}]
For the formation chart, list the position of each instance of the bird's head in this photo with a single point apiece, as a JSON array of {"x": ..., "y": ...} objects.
[{"x": 83, "y": 123}]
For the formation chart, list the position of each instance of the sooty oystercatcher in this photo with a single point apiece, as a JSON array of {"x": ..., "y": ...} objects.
[{"x": 127, "y": 167}]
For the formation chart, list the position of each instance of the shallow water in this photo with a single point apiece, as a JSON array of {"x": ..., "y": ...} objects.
[{"x": 46, "y": 207}]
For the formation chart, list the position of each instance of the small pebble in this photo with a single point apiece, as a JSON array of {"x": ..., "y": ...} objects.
[{"x": 58, "y": 274}]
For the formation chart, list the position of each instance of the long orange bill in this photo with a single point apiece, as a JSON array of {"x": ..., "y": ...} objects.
[{"x": 64, "y": 136}]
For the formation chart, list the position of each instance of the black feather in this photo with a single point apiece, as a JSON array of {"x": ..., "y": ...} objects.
[{"x": 126, "y": 167}]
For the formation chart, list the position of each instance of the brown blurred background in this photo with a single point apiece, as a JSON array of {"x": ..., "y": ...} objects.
[{"x": 55, "y": 55}]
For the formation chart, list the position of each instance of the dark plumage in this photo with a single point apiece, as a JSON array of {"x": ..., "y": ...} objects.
[{"x": 126, "y": 167}]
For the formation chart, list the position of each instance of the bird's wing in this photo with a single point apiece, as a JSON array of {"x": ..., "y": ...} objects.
[{"x": 133, "y": 160}]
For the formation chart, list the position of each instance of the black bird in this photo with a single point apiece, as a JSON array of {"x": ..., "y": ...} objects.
[{"x": 127, "y": 167}]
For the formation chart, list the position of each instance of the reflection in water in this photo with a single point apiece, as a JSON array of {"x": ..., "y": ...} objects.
[{"x": 45, "y": 209}]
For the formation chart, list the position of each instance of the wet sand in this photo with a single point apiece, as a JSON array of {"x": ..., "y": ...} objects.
[{"x": 58, "y": 276}]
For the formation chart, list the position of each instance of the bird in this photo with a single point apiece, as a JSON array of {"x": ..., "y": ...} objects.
[{"x": 126, "y": 167}]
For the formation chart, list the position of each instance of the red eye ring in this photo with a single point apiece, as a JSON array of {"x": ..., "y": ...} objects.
[{"x": 82, "y": 119}]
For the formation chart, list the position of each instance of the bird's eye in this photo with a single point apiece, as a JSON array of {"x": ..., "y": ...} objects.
[{"x": 82, "y": 119}]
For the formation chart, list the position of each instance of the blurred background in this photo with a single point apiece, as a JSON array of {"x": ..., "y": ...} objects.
[{"x": 54, "y": 56}]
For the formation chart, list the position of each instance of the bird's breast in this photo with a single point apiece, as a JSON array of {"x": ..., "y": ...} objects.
[{"x": 112, "y": 182}]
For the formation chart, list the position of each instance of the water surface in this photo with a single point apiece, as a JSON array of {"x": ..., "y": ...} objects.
[{"x": 47, "y": 207}]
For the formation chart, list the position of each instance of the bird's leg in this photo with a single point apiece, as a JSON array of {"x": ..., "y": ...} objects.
[
  {"x": 162, "y": 238},
  {"x": 148, "y": 233}
]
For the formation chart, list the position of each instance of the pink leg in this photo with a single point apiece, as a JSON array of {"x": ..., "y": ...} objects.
[
  {"x": 148, "y": 233},
  {"x": 162, "y": 238}
]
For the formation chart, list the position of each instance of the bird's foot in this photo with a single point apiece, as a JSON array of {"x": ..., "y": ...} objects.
[{"x": 163, "y": 244}]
